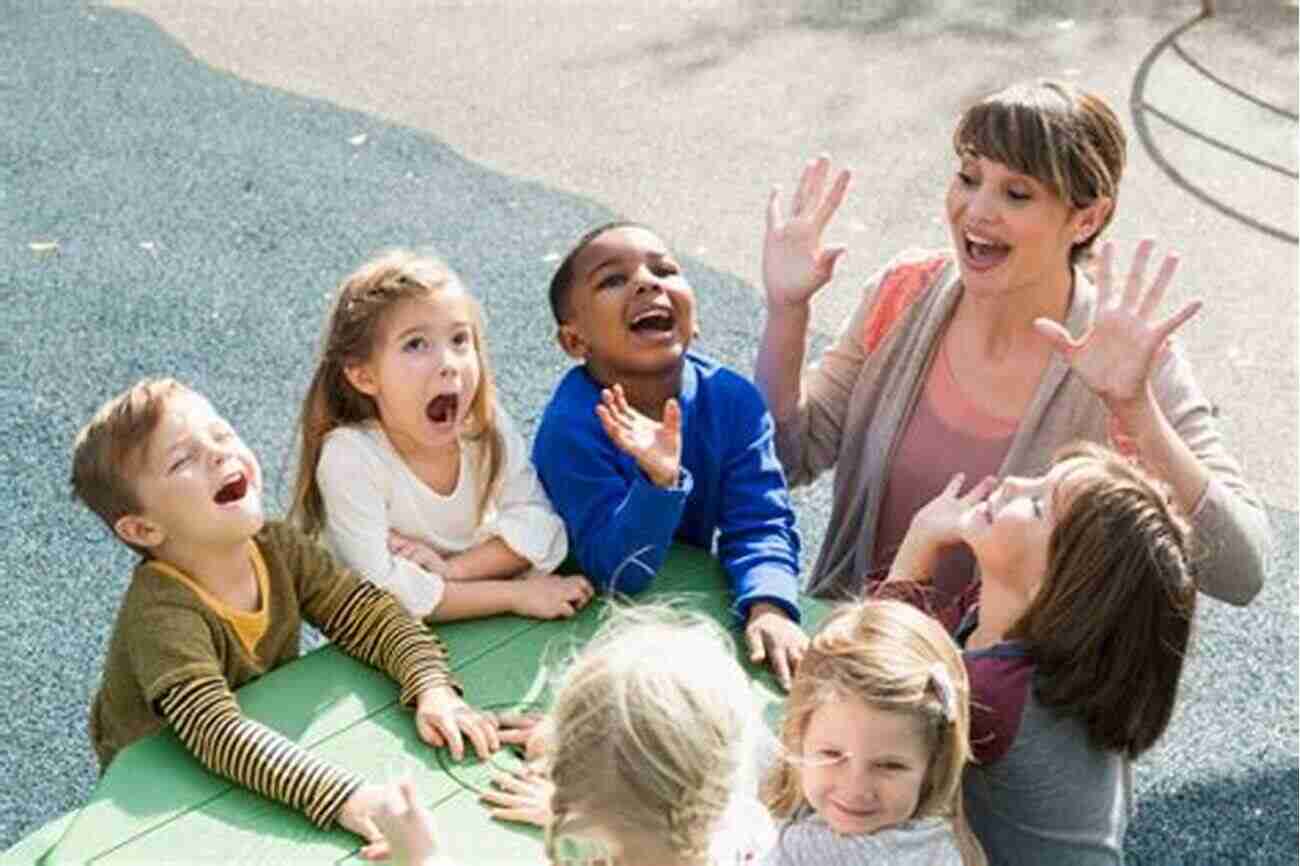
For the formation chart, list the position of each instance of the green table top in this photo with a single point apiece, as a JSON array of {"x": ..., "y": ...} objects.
[{"x": 157, "y": 804}]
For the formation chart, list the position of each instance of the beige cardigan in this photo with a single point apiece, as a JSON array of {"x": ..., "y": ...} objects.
[{"x": 856, "y": 399}]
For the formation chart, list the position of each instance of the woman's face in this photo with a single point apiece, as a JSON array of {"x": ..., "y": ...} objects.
[{"x": 1011, "y": 232}]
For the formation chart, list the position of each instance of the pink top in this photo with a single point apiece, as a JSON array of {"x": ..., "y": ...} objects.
[{"x": 946, "y": 434}]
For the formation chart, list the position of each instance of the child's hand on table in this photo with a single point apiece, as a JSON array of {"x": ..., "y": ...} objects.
[
  {"x": 773, "y": 637},
  {"x": 442, "y": 718},
  {"x": 531, "y": 730},
  {"x": 655, "y": 445},
  {"x": 409, "y": 835},
  {"x": 357, "y": 815},
  {"x": 522, "y": 795},
  {"x": 551, "y": 596}
]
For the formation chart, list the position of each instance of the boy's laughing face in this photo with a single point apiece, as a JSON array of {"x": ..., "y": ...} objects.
[
  {"x": 198, "y": 484},
  {"x": 630, "y": 310}
]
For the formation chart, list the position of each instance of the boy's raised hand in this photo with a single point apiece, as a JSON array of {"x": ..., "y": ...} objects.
[
  {"x": 442, "y": 718},
  {"x": 551, "y": 596},
  {"x": 655, "y": 445}
]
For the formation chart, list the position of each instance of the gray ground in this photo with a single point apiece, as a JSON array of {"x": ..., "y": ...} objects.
[{"x": 209, "y": 170}]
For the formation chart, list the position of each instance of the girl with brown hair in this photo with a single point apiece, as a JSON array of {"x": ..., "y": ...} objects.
[{"x": 1074, "y": 636}]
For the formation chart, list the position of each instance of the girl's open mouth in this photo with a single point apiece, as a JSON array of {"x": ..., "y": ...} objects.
[
  {"x": 442, "y": 409},
  {"x": 232, "y": 491}
]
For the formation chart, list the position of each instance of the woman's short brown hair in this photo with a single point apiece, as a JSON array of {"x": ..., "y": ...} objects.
[
  {"x": 1065, "y": 138},
  {"x": 1111, "y": 624}
]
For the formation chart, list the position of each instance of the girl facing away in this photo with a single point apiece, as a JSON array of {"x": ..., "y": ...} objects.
[
  {"x": 874, "y": 744},
  {"x": 1073, "y": 635},
  {"x": 409, "y": 468},
  {"x": 651, "y": 756}
]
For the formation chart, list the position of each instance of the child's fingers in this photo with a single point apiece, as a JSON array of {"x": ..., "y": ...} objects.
[
  {"x": 376, "y": 851},
  {"x": 754, "y": 638},
  {"x": 672, "y": 416},
  {"x": 980, "y": 491},
  {"x": 450, "y": 730},
  {"x": 954, "y": 484},
  {"x": 481, "y": 735}
]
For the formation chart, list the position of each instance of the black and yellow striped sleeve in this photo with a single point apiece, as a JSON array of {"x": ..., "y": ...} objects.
[
  {"x": 207, "y": 720},
  {"x": 370, "y": 625}
]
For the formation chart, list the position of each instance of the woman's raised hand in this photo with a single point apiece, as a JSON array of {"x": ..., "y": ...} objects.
[
  {"x": 795, "y": 264},
  {"x": 1115, "y": 357}
]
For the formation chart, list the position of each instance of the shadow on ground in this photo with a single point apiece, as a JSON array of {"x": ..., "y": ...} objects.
[{"x": 198, "y": 224}]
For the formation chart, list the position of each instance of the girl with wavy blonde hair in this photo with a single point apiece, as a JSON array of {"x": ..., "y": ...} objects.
[
  {"x": 875, "y": 742},
  {"x": 409, "y": 468}
]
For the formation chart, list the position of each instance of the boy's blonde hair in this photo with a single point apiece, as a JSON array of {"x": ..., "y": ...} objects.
[
  {"x": 653, "y": 723},
  {"x": 110, "y": 449},
  {"x": 362, "y": 302},
  {"x": 884, "y": 654}
]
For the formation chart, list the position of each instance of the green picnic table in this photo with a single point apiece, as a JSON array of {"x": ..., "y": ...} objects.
[{"x": 157, "y": 804}]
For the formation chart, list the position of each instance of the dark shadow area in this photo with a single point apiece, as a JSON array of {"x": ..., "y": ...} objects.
[
  {"x": 1251, "y": 819},
  {"x": 1141, "y": 111}
]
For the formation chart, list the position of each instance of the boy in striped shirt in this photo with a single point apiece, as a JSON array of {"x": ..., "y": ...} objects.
[{"x": 218, "y": 599}]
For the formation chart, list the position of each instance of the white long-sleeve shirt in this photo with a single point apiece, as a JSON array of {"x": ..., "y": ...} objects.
[{"x": 368, "y": 489}]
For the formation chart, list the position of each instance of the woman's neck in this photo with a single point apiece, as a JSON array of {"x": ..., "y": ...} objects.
[{"x": 1002, "y": 325}]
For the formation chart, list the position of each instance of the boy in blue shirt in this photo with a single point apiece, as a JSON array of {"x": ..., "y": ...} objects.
[{"x": 644, "y": 441}]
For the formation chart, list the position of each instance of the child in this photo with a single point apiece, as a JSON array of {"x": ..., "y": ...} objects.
[
  {"x": 651, "y": 757},
  {"x": 415, "y": 474},
  {"x": 218, "y": 598},
  {"x": 875, "y": 738},
  {"x": 644, "y": 441},
  {"x": 1075, "y": 649}
]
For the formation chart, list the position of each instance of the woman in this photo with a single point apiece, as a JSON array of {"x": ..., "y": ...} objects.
[{"x": 963, "y": 360}]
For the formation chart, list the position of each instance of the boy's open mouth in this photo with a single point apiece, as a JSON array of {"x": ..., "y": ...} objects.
[
  {"x": 654, "y": 320},
  {"x": 442, "y": 409},
  {"x": 232, "y": 491},
  {"x": 984, "y": 252}
]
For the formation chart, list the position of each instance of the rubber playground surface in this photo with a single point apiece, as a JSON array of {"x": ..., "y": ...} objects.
[{"x": 183, "y": 184}]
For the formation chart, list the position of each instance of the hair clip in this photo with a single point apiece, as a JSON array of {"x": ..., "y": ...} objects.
[{"x": 944, "y": 689}]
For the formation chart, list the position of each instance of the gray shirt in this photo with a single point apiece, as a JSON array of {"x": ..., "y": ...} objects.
[
  {"x": 1053, "y": 798},
  {"x": 807, "y": 840}
]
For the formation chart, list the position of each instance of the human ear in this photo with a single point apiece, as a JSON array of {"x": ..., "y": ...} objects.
[
  {"x": 1089, "y": 220},
  {"x": 139, "y": 530},
  {"x": 359, "y": 377},
  {"x": 571, "y": 342}
]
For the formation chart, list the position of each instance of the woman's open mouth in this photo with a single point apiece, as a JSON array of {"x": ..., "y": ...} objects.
[
  {"x": 232, "y": 491},
  {"x": 442, "y": 409},
  {"x": 984, "y": 252}
]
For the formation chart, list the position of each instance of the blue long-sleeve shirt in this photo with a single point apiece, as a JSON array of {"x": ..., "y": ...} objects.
[{"x": 730, "y": 498}]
